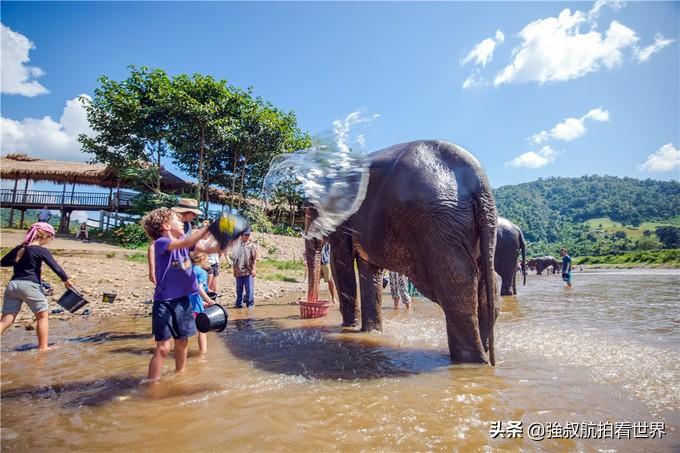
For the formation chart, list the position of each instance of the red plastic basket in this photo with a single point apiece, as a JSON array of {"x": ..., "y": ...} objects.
[{"x": 317, "y": 309}]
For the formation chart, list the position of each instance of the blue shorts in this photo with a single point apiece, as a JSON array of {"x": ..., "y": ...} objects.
[
  {"x": 566, "y": 276},
  {"x": 173, "y": 318}
]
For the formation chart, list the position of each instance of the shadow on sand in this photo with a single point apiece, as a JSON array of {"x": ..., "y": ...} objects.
[{"x": 320, "y": 352}]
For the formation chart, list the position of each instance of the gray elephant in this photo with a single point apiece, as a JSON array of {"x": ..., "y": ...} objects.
[
  {"x": 543, "y": 263},
  {"x": 509, "y": 244},
  {"x": 429, "y": 214}
]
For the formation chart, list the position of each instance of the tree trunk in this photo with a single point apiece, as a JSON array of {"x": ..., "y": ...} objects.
[
  {"x": 200, "y": 163},
  {"x": 243, "y": 175},
  {"x": 159, "y": 151},
  {"x": 233, "y": 176}
]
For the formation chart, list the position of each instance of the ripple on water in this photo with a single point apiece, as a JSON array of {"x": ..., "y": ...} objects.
[{"x": 651, "y": 373}]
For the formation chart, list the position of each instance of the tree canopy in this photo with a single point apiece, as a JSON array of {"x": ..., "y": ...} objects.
[{"x": 220, "y": 134}]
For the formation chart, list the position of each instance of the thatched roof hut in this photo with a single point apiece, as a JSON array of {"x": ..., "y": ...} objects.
[{"x": 21, "y": 166}]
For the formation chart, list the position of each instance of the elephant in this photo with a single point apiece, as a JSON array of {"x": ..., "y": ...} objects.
[
  {"x": 544, "y": 262},
  {"x": 509, "y": 243},
  {"x": 428, "y": 213}
]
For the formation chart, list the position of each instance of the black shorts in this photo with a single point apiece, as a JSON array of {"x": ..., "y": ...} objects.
[
  {"x": 214, "y": 269},
  {"x": 173, "y": 319}
]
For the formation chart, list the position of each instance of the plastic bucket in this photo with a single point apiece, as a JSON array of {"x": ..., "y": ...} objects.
[
  {"x": 109, "y": 297},
  {"x": 72, "y": 300},
  {"x": 227, "y": 228},
  {"x": 213, "y": 318}
]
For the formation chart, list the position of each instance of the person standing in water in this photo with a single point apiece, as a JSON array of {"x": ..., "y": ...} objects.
[
  {"x": 399, "y": 290},
  {"x": 25, "y": 285},
  {"x": 326, "y": 273},
  {"x": 566, "y": 267}
]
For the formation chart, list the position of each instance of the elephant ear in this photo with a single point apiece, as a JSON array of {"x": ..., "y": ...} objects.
[{"x": 332, "y": 180}]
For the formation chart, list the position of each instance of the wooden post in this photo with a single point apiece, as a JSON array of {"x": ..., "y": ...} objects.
[
  {"x": 14, "y": 197},
  {"x": 21, "y": 221},
  {"x": 25, "y": 193},
  {"x": 62, "y": 211}
]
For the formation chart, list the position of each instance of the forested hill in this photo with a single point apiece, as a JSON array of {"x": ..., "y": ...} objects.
[{"x": 549, "y": 209}]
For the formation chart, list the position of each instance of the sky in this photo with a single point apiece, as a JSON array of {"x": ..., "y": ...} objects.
[{"x": 532, "y": 89}]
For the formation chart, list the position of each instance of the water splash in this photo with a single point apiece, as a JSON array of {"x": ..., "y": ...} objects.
[{"x": 333, "y": 177}]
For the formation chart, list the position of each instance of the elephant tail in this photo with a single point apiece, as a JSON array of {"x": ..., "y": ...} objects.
[
  {"x": 487, "y": 220},
  {"x": 524, "y": 265}
]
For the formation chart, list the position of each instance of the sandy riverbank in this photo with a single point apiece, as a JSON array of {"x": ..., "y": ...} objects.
[{"x": 97, "y": 268}]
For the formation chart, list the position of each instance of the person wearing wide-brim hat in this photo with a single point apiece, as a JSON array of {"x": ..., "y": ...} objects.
[{"x": 187, "y": 208}]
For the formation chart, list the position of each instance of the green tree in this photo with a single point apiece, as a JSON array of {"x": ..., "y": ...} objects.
[
  {"x": 669, "y": 236},
  {"x": 131, "y": 120}
]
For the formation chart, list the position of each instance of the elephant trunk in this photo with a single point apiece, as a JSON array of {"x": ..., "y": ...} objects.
[{"x": 313, "y": 257}]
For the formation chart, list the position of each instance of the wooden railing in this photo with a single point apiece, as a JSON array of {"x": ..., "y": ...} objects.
[{"x": 54, "y": 199}]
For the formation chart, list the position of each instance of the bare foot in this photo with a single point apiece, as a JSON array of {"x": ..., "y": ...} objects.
[{"x": 49, "y": 348}]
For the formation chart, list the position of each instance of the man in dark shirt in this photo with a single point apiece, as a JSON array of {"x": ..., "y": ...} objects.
[{"x": 566, "y": 267}]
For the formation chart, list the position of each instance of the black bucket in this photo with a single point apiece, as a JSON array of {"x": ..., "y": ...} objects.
[
  {"x": 109, "y": 297},
  {"x": 213, "y": 318},
  {"x": 72, "y": 300},
  {"x": 227, "y": 228}
]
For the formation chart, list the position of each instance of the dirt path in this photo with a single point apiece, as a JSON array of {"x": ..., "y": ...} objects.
[{"x": 97, "y": 268}]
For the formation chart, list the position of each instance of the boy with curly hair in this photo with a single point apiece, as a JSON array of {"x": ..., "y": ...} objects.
[{"x": 172, "y": 315}]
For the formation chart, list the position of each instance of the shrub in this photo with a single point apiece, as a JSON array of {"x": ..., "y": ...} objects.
[
  {"x": 258, "y": 219},
  {"x": 130, "y": 236}
]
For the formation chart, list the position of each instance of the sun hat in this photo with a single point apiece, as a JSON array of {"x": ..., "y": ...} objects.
[{"x": 187, "y": 205}]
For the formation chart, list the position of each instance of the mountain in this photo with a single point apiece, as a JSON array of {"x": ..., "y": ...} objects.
[{"x": 554, "y": 212}]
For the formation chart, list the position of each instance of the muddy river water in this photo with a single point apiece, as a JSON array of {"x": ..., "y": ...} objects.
[{"x": 606, "y": 352}]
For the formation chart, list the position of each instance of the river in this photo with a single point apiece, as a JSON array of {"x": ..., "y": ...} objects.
[{"x": 606, "y": 352}]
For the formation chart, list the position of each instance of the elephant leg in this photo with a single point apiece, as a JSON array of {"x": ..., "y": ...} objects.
[
  {"x": 370, "y": 285},
  {"x": 506, "y": 280},
  {"x": 514, "y": 283},
  {"x": 342, "y": 266},
  {"x": 458, "y": 291}
]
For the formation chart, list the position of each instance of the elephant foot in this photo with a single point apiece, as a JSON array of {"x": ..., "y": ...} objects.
[
  {"x": 467, "y": 355},
  {"x": 349, "y": 324},
  {"x": 507, "y": 293}
]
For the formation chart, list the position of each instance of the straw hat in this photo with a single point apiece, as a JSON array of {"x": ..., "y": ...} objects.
[{"x": 187, "y": 205}]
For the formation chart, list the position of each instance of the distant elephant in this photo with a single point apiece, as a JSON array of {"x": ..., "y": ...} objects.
[
  {"x": 429, "y": 214},
  {"x": 509, "y": 244},
  {"x": 544, "y": 262}
]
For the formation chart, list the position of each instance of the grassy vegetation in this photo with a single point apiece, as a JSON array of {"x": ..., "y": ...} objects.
[
  {"x": 605, "y": 225},
  {"x": 670, "y": 258},
  {"x": 285, "y": 271},
  {"x": 139, "y": 257}
]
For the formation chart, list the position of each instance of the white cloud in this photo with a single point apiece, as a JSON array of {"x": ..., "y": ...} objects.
[
  {"x": 667, "y": 158},
  {"x": 554, "y": 49},
  {"x": 17, "y": 77},
  {"x": 594, "y": 12},
  {"x": 45, "y": 137},
  {"x": 472, "y": 81},
  {"x": 643, "y": 54},
  {"x": 482, "y": 53},
  {"x": 534, "y": 159},
  {"x": 570, "y": 128}
]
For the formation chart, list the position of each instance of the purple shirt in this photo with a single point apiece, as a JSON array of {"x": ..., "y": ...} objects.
[{"x": 174, "y": 273}]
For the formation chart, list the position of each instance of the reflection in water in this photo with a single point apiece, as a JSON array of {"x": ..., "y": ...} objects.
[{"x": 606, "y": 350}]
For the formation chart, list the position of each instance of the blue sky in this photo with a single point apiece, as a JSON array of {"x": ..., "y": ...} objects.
[{"x": 532, "y": 89}]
